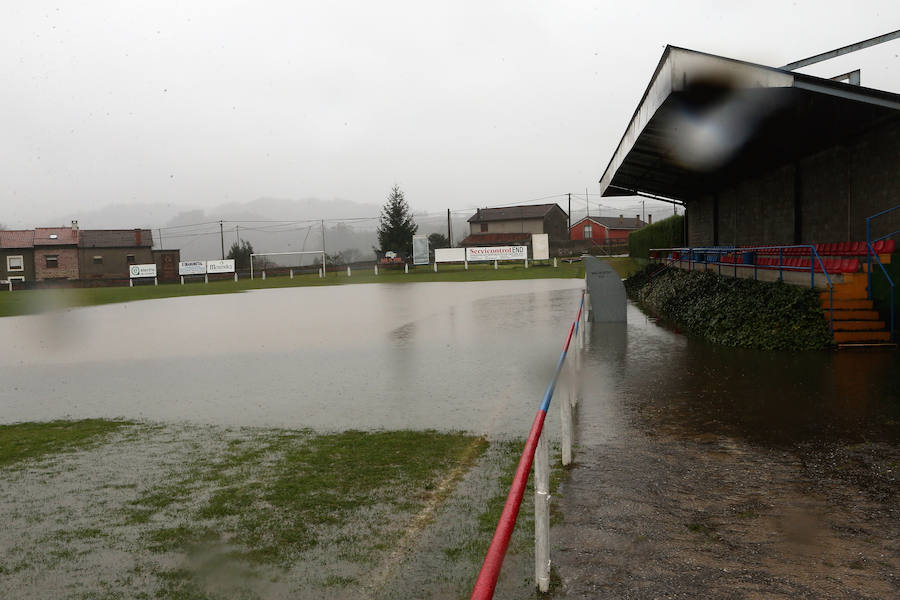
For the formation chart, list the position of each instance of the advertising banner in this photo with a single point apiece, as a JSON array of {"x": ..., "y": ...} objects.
[
  {"x": 142, "y": 271},
  {"x": 420, "y": 249},
  {"x": 496, "y": 253},
  {"x": 443, "y": 255},
  {"x": 220, "y": 266},
  {"x": 540, "y": 246},
  {"x": 192, "y": 267}
]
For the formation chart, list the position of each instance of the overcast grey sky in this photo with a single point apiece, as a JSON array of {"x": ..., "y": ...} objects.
[{"x": 196, "y": 104}]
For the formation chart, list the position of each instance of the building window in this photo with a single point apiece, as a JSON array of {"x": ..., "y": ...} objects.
[
  {"x": 51, "y": 261},
  {"x": 129, "y": 259},
  {"x": 16, "y": 278},
  {"x": 588, "y": 231},
  {"x": 483, "y": 227},
  {"x": 97, "y": 260},
  {"x": 15, "y": 263}
]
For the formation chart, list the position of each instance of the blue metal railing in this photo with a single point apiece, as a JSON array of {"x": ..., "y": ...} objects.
[
  {"x": 691, "y": 255},
  {"x": 890, "y": 281},
  {"x": 870, "y": 249}
]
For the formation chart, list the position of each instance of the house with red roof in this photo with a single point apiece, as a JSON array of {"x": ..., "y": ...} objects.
[
  {"x": 17, "y": 255},
  {"x": 514, "y": 225},
  {"x": 56, "y": 253}
]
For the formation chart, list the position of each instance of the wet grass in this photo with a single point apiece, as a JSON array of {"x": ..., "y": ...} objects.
[
  {"x": 25, "y": 441},
  {"x": 34, "y": 301}
]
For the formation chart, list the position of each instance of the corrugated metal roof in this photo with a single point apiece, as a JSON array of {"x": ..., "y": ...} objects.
[
  {"x": 706, "y": 122},
  {"x": 511, "y": 213},
  {"x": 17, "y": 239},
  {"x": 614, "y": 222},
  {"x": 55, "y": 236},
  {"x": 115, "y": 238}
]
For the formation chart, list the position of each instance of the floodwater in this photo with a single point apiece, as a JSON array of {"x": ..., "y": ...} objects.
[
  {"x": 451, "y": 356},
  {"x": 708, "y": 472}
]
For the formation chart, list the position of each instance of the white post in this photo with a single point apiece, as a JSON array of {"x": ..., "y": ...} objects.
[
  {"x": 235, "y": 276},
  {"x": 292, "y": 273},
  {"x": 182, "y": 280},
  {"x": 406, "y": 268},
  {"x": 206, "y": 278},
  {"x": 565, "y": 417},
  {"x": 526, "y": 262},
  {"x": 264, "y": 274},
  {"x": 542, "y": 515},
  {"x": 155, "y": 281},
  {"x": 495, "y": 265},
  {"x": 10, "y": 284},
  {"x": 321, "y": 271},
  {"x": 435, "y": 267},
  {"x": 131, "y": 283},
  {"x": 348, "y": 270},
  {"x": 466, "y": 265},
  {"x": 554, "y": 262},
  {"x": 376, "y": 269}
]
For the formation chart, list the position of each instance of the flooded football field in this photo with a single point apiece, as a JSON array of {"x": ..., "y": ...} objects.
[{"x": 700, "y": 471}]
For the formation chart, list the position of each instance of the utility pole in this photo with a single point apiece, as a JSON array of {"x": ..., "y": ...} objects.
[
  {"x": 222, "y": 238},
  {"x": 570, "y": 210},
  {"x": 237, "y": 233},
  {"x": 449, "y": 231},
  {"x": 159, "y": 231},
  {"x": 587, "y": 202}
]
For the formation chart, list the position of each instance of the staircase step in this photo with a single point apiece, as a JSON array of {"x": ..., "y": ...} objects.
[
  {"x": 859, "y": 325},
  {"x": 865, "y": 346},
  {"x": 843, "y": 337},
  {"x": 852, "y": 315},
  {"x": 849, "y": 304}
]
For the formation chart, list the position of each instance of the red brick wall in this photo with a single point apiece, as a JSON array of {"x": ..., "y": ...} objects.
[{"x": 68, "y": 263}]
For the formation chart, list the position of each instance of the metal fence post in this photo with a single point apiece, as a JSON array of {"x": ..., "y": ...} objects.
[{"x": 542, "y": 515}]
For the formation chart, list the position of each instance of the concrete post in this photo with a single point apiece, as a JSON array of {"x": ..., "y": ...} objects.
[
  {"x": 526, "y": 263},
  {"x": 155, "y": 281},
  {"x": 435, "y": 267},
  {"x": 466, "y": 265},
  {"x": 235, "y": 277},
  {"x": 348, "y": 270},
  {"x": 565, "y": 418},
  {"x": 292, "y": 273},
  {"x": 131, "y": 283},
  {"x": 554, "y": 262},
  {"x": 264, "y": 275},
  {"x": 376, "y": 269},
  {"x": 321, "y": 272},
  {"x": 406, "y": 268},
  {"x": 206, "y": 278},
  {"x": 495, "y": 265},
  {"x": 542, "y": 515},
  {"x": 10, "y": 284},
  {"x": 182, "y": 280}
]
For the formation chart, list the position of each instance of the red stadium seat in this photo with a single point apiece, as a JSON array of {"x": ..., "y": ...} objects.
[{"x": 889, "y": 246}]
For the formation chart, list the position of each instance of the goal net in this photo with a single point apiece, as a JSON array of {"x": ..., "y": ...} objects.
[{"x": 283, "y": 263}]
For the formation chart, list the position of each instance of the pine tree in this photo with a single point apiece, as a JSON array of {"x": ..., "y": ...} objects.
[{"x": 397, "y": 226}]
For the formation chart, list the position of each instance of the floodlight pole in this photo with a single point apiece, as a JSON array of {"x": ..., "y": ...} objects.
[
  {"x": 324, "y": 271},
  {"x": 222, "y": 238}
]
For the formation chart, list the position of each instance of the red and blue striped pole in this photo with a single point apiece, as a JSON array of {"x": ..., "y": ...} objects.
[{"x": 493, "y": 560}]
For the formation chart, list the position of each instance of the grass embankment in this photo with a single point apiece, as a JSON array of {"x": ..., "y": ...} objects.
[
  {"x": 210, "y": 513},
  {"x": 734, "y": 312},
  {"x": 24, "y": 302}
]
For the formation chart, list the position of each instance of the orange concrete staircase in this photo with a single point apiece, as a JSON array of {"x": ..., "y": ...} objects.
[{"x": 856, "y": 322}]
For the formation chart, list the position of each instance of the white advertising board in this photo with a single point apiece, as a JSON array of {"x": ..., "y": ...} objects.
[
  {"x": 540, "y": 246},
  {"x": 420, "y": 249},
  {"x": 220, "y": 266},
  {"x": 496, "y": 253},
  {"x": 192, "y": 267},
  {"x": 142, "y": 271},
  {"x": 443, "y": 255}
]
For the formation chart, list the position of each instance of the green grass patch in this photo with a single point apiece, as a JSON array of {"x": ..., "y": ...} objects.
[
  {"x": 34, "y": 301},
  {"x": 25, "y": 441}
]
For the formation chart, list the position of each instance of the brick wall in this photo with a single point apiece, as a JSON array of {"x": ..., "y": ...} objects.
[{"x": 67, "y": 263}]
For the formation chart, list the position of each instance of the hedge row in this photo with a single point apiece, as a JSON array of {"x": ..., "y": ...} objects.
[
  {"x": 735, "y": 312},
  {"x": 668, "y": 233}
]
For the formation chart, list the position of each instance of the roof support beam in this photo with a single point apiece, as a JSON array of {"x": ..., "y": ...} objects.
[{"x": 841, "y": 51}]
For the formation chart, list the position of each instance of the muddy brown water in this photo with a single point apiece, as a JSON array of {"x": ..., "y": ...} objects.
[
  {"x": 700, "y": 471},
  {"x": 717, "y": 473}
]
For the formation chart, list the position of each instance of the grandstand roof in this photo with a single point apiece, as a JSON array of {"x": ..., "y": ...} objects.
[{"x": 707, "y": 121}]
